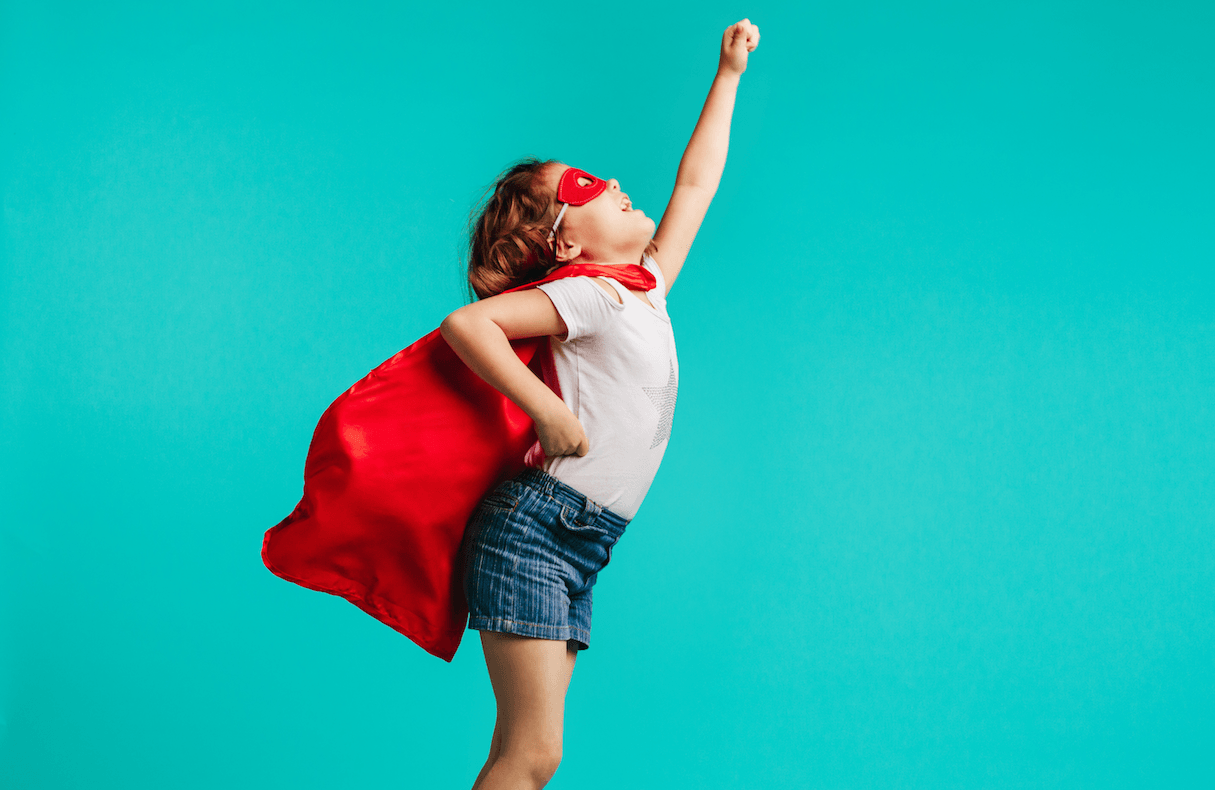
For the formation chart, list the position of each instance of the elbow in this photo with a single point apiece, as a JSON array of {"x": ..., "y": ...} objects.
[
  {"x": 457, "y": 316},
  {"x": 463, "y": 324},
  {"x": 449, "y": 326}
]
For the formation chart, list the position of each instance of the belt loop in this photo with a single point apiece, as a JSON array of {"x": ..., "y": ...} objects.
[
  {"x": 546, "y": 482},
  {"x": 590, "y": 512}
]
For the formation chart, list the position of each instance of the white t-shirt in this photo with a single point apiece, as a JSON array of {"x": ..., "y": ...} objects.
[{"x": 619, "y": 375}]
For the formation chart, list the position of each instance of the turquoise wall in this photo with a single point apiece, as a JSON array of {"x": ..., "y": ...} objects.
[{"x": 937, "y": 508}]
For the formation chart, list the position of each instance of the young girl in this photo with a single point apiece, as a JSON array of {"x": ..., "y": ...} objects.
[{"x": 537, "y": 542}]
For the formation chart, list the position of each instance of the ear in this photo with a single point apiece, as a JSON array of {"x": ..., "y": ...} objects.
[{"x": 566, "y": 252}]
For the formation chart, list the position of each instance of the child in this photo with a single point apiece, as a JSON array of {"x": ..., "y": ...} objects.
[{"x": 536, "y": 543}]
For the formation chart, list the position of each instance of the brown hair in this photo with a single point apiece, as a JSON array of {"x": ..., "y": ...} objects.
[{"x": 508, "y": 235}]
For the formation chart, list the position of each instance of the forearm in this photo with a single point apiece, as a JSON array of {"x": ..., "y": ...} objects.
[
  {"x": 485, "y": 348},
  {"x": 705, "y": 157}
]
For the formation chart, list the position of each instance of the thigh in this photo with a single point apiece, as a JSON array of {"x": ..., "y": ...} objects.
[{"x": 530, "y": 678}]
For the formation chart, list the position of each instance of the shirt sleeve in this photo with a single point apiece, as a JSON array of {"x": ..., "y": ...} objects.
[{"x": 582, "y": 304}]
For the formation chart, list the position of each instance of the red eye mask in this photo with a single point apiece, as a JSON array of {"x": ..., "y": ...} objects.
[{"x": 571, "y": 193}]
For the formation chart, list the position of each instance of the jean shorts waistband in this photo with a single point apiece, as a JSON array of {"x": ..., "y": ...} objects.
[{"x": 585, "y": 510}]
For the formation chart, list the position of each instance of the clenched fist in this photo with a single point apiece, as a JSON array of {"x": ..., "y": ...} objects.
[
  {"x": 739, "y": 39},
  {"x": 560, "y": 433}
]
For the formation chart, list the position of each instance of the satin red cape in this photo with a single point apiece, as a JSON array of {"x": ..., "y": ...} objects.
[{"x": 397, "y": 465}]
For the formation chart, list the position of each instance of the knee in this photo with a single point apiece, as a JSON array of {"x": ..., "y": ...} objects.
[
  {"x": 542, "y": 761},
  {"x": 537, "y": 761},
  {"x": 547, "y": 762}
]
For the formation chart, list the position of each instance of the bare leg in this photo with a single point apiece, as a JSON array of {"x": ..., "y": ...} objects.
[
  {"x": 530, "y": 679},
  {"x": 495, "y": 746}
]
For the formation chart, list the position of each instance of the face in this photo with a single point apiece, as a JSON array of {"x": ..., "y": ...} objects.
[{"x": 606, "y": 230}]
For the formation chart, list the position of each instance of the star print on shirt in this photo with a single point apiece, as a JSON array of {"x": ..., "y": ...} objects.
[{"x": 664, "y": 400}]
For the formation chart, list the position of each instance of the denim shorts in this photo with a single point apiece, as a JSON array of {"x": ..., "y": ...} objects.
[{"x": 533, "y": 550}]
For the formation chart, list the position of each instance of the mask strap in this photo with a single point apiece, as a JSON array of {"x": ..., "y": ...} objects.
[{"x": 553, "y": 232}]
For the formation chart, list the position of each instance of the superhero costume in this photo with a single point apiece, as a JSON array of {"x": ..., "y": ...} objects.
[{"x": 397, "y": 465}]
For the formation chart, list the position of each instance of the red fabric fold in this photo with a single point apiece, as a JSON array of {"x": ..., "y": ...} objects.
[{"x": 396, "y": 466}]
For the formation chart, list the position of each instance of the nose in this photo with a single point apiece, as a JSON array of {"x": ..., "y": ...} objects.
[{"x": 613, "y": 184}]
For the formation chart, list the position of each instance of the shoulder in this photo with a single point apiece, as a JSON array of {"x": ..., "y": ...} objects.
[
  {"x": 581, "y": 282},
  {"x": 606, "y": 286},
  {"x": 584, "y": 290}
]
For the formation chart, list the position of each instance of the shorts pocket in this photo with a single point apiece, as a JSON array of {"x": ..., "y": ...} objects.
[{"x": 504, "y": 497}]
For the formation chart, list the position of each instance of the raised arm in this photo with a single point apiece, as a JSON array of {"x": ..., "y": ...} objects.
[{"x": 705, "y": 157}]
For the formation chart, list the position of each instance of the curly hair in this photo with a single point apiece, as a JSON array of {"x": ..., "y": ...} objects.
[{"x": 508, "y": 235}]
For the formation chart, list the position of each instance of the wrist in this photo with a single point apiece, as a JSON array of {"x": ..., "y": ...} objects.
[{"x": 549, "y": 409}]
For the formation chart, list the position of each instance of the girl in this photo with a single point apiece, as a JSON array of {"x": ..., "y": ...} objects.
[{"x": 536, "y": 543}]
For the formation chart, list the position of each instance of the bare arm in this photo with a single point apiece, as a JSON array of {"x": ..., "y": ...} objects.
[
  {"x": 480, "y": 334},
  {"x": 484, "y": 347},
  {"x": 704, "y": 159}
]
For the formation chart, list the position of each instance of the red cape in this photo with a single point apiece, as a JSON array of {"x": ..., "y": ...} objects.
[{"x": 397, "y": 465}]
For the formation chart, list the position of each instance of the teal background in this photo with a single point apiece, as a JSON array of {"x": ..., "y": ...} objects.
[{"x": 937, "y": 507}]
